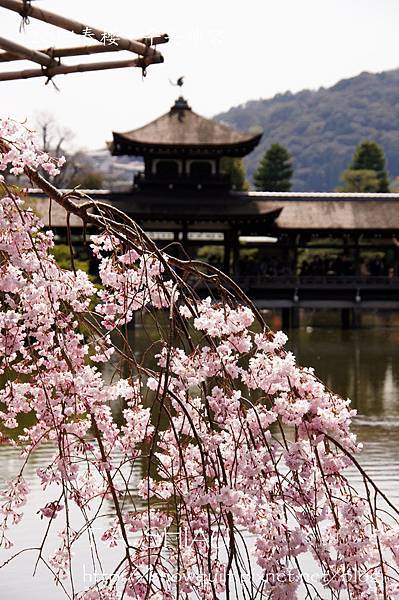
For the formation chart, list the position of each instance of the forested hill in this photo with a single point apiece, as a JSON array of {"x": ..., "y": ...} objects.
[{"x": 322, "y": 128}]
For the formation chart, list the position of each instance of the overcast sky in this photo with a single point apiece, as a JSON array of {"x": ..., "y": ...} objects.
[{"x": 230, "y": 51}]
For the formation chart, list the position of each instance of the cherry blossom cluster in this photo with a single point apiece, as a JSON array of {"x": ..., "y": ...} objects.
[
  {"x": 49, "y": 373},
  {"x": 23, "y": 150},
  {"x": 130, "y": 282},
  {"x": 224, "y": 475},
  {"x": 265, "y": 449}
]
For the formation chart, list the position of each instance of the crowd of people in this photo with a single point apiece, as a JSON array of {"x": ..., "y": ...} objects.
[
  {"x": 271, "y": 267},
  {"x": 336, "y": 265},
  {"x": 342, "y": 265}
]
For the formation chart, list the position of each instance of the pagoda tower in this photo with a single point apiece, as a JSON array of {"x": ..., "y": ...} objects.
[
  {"x": 184, "y": 195},
  {"x": 182, "y": 151}
]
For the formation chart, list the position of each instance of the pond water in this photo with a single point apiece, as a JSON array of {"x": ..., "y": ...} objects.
[{"x": 361, "y": 364}]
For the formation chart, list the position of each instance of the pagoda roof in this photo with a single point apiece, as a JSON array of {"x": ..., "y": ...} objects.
[{"x": 184, "y": 131}]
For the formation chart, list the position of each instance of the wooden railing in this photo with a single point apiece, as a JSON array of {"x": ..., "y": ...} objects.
[{"x": 317, "y": 282}]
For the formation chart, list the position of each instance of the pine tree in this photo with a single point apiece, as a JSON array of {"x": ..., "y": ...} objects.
[
  {"x": 274, "y": 171},
  {"x": 369, "y": 156}
]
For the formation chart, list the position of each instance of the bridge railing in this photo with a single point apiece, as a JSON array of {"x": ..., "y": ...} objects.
[{"x": 317, "y": 281}]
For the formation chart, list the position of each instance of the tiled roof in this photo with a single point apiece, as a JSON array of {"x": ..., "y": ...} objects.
[
  {"x": 288, "y": 211},
  {"x": 182, "y": 127}
]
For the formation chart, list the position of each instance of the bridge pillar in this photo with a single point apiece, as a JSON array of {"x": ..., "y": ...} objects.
[
  {"x": 236, "y": 255},
  {"x": 226, "y": 258},
  {"x": 346, "y": 318},
  {"x": 295, "y": 318},
  {"x": 285, "y": 319},
  {"x": 351, "y": 318},
  {"x": 356, "y": 318},
  {"x": 290, "y": 318}
]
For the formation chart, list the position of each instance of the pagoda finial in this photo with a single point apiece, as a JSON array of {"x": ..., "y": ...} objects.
[
  {"x": 179, "y": 82},
  {"x": 180, "y": 104}
]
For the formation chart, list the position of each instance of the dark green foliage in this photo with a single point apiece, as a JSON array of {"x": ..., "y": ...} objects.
[
  {"x": 370, "y": 156},
  {"x": 322, "y": 128},
  {"x": 62, "y": 254},
  {"x": 359, "y": 181},
  {"x": 274, "y": 171},
  {"x": 236, "y": 169},
  {"x": 87, "y": 180}
]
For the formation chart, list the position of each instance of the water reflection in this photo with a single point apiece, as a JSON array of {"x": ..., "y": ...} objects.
[{"x": 362, "y": 365}]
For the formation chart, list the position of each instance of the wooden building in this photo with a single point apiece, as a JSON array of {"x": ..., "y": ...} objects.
[{"x": 287, "y": 250}]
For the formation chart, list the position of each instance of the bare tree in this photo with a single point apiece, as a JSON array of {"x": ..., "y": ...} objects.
[
  {"x": 55, "y": 139},
  {"x": 58, "y": 141}
]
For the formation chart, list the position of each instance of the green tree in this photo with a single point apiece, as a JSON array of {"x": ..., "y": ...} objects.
[
  {"x": 236, "y": 169},
  {"x": 62, "y": 254},
  {"x": 89, "y": 180},
  {"x": 359, "y": 181},
  {"x": 369, "y": 156},
  {"x": 274, "y": 171}
]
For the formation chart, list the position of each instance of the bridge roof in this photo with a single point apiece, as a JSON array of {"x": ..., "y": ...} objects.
[
  {"x": 334, "y": 211},
  {"x": 284, "y": 212}
]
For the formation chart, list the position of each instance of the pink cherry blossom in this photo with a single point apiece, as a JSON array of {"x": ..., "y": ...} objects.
[
  {"x": 50, "y": 510},
  {"x": 221, "y": 436}
]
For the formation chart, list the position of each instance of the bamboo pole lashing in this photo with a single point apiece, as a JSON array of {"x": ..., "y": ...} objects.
[
  {"x": 27, "y": 10},
  {"x": 10, "y": 56},
  {"x": 50, "y": 72},
  {"x": 26, "y": 53}
]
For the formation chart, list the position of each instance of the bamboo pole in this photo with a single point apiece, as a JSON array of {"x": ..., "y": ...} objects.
[
  {"x": 85, "y": 50},
  {"x": 27, "y": 53},
  {"x": 76, "y": 27},
  {"x": 49, "y": 72}
]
